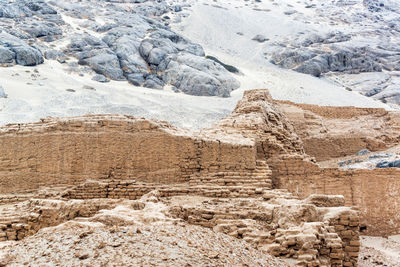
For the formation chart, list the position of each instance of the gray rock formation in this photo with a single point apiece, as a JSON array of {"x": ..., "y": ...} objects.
[
  {"x": 133, "y": 44},
  {"x": 14, "y": 50},
  {"x": 364, "y": 57},
  {"x": 387, "y": 164},
  {"x": 198, "y": 76}
]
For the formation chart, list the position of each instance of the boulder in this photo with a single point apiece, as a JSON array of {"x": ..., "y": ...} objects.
[
  {"x": 42, "y": 29},
  {"x": 105, "y": 64},
  {"x": 24, "y": 54},
  {"x": 127, "y": 50},
  {"x": 136, "y": 79},
  {"x": 28, "y": 56},
  {"x": 199, "y": 76},
  {"x": 310, "y": 67},
  {"x": 260, "y": 38},
  {"x": 154, "y": 82},
  {"x": 6, "y": 55},
  {"x": 100, "y": 78}
]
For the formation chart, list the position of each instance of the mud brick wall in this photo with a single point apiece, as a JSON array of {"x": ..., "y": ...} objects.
[
  {"x": 333, "y": 112},
  {"x": 346, "y": 225},
  {"x": 69, "y": 151},
  {"x": 12, "y": 199},
  {"x": 326, "y": 148},
  {"x": 135, "y": 190},
  {"x": 375, "y": 192},
  {"x": 329, "y": 132},
  {"x": 334, "y": 243}
]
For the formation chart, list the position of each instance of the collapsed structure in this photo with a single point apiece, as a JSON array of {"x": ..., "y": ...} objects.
[{"x": 254, "y": 175}]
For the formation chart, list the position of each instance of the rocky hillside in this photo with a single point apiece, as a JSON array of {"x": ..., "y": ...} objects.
[
  {"x": 129, "y": 41},
  {"x": 72, "y": 58},
  {"x": 355, "y": 46},
  {"x": 352, "y": 44}
]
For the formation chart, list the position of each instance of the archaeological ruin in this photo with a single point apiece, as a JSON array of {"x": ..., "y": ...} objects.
[{"x": 265, "y": 174}]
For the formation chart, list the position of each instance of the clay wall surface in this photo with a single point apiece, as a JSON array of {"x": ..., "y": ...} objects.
[
  {"x": 334, "y": 132},
  {"x": 335, "y": 112},
  {"x": 376, "y": 192},
  {"x": 69, "y": 151}
]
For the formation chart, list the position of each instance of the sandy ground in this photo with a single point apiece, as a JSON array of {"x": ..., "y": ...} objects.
[{"x": 379, "y": 251}]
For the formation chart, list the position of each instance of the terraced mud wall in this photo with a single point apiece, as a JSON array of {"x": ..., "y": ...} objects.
[
  {"x": 65, "y": 152},
  {"x": 334, "y": 132}
]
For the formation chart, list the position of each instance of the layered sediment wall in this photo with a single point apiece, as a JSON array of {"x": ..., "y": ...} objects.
[{"x": 69, "y": 151}]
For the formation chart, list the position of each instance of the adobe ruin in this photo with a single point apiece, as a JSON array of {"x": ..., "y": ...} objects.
[{"x": 256, "y": 173}]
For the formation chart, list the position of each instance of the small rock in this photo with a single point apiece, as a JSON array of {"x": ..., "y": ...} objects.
[
  {"x": 89, "y": 87},
  {"x": 363, "y": 152},
  {"x": 100, "y": 78},
  {"x": 177, "y": 8},
  {"x": 83, "y": 256},
  {"x": 260, "y": 38}
]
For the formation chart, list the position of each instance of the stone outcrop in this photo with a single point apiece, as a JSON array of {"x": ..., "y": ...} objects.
[
  {"x": 134, "y": 44},
  {"x": 362, "y": 60}
]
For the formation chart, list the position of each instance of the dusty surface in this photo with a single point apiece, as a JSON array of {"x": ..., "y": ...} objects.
[{"x": 379, "y": 251}]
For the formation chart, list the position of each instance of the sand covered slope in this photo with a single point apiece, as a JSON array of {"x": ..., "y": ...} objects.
[
  {"x": 349, "y": 43},
  {"x": 148, "y": 60}
]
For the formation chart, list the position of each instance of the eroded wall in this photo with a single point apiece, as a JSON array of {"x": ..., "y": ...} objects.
[
  {"x": 334, "y": 132},
  {"x": 376, "y": 192},
  {"x": 69, "y": 151}
]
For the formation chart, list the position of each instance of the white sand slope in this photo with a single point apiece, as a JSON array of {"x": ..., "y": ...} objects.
[
  {"x": 216, "y": 29},
  {"x": 30, "y": 99}
]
